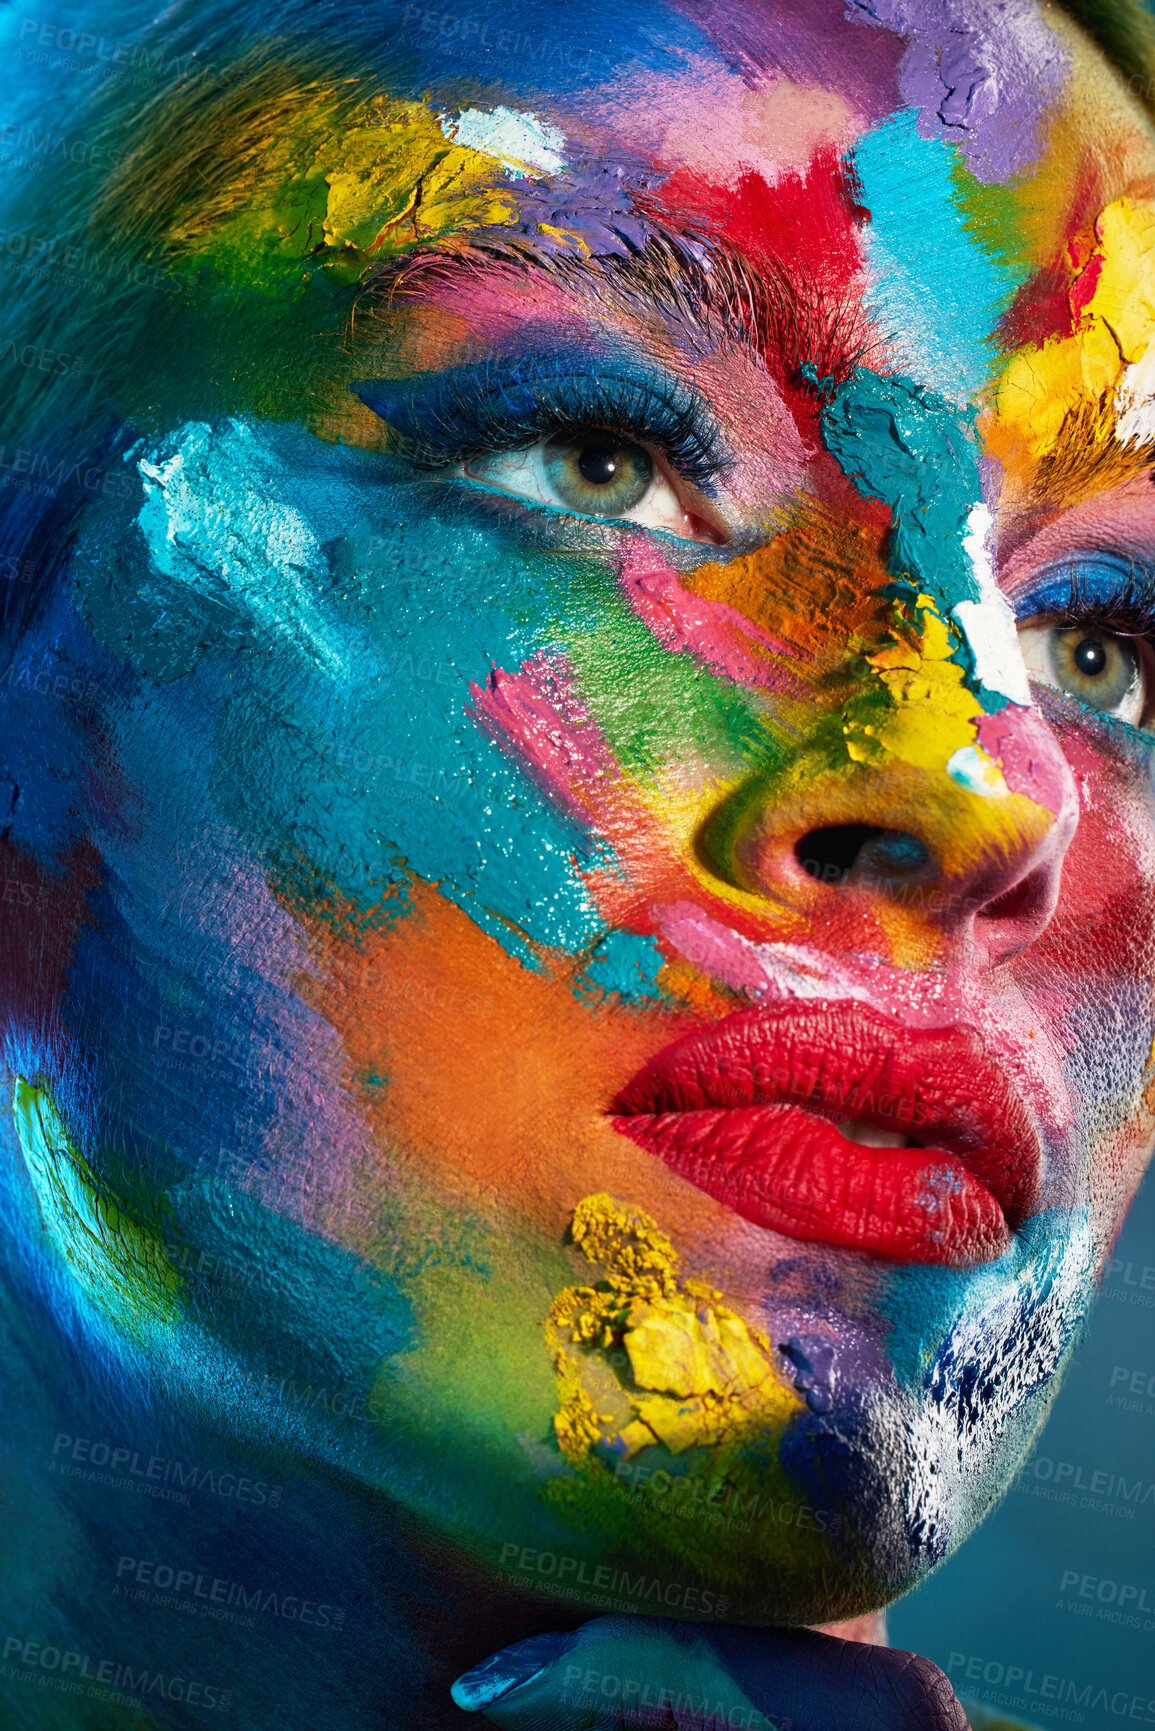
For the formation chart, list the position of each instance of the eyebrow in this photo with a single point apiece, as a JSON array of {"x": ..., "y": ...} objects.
[{"x": 801, "y": 331}]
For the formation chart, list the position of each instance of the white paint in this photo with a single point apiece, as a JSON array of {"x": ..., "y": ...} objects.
[
  {"x": 213, "y": 520},
  {"x": 973, "y": 769},
  {"x": 521, "y": 142},
  {"x": 1135, "y": 401},
  {"x": 988, "y": 625}
]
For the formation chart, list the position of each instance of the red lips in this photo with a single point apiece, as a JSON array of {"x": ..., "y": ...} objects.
[{"x": 747, "y": 1110}]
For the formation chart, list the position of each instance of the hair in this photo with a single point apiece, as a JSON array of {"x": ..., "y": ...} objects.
[{"x": 1124, "y": 33}]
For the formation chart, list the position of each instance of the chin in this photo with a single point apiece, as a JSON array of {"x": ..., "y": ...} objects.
[{"x": 800, "y": 1458}]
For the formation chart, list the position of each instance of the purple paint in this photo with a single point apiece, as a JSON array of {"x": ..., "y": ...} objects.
[{"x": 978, "y": 73}]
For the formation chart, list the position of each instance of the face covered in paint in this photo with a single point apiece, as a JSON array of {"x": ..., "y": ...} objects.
[{"x": 582, "y": 905}]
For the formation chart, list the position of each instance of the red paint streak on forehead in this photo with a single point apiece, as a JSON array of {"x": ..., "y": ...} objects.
[
  {"x": 799, "y": 241},
  {"x": 804, "y": 227}
]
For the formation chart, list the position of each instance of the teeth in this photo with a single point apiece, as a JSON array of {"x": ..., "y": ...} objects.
[{"x": 870, "y": 1136}]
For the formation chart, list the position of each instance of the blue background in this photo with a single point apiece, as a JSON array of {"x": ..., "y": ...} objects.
[{"x": 999, "y": 1599}]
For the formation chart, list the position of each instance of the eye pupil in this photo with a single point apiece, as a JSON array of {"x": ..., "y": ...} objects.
[
  {"x": 1090, "y": 657},
  {"x": 599, "y": 465}
]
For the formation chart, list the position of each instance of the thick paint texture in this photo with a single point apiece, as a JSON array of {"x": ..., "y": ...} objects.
[{"x": 387, "y": 820}]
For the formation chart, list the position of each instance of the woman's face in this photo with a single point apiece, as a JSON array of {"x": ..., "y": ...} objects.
[{"x": 639, "y": 1012}]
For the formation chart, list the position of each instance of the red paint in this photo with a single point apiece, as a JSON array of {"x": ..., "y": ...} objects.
[
  {"x": 1041, "y": 309},
  {"x": 1084, "y": 286},
  {"x": 802, "y": 236},
  {"x": 746, "y": 1111}
]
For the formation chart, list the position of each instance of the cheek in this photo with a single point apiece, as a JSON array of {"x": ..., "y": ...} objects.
[
  {"x": 1093, "y": 971},
  {"x": 1106, "y": 914},
  {"x": 475, "y": 1074}
]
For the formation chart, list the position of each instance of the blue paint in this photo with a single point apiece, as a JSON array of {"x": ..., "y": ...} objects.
[
  {"x": 936, "y": 292},
  {"x": 532, "y": 48},
  {"x": 624, "y": 963},
  {"x": 320, "y": 749},
  {"x": 909, "y": 447}
]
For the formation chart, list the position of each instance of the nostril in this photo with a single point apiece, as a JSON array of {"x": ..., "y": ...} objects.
[
  {"x": 828, "y": 854},
  {"x": 839, "y": 851}
]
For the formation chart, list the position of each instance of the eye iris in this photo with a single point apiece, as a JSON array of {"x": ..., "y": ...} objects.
[
  {"x": 1101, "y": 668},
  {"x": 598, "y": 474}
]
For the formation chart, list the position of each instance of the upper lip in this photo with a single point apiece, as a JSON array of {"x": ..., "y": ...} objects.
[{"x": 841, "y": 1061}]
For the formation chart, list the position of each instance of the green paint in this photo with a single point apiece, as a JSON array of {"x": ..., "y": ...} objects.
[
  {"x": 118, "y": 1258},
  {"x": 653, "y": 706}
]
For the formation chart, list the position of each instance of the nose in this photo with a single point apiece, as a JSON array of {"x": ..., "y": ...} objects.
[{"x": 967, "y": 852}]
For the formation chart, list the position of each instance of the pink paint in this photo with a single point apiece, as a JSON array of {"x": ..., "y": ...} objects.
[
  {"x": 1020, "y": 741},
  {"x": 714, "y": 948},
  {"x": 1120, "y": 521},
  {"x": 535, "y": 713},
  {"x": 717, "y": 125},
  {"x": 721, "y": 637}
]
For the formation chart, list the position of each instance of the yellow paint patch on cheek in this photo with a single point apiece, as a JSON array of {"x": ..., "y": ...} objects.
[{"x": 643, "y": 1357}]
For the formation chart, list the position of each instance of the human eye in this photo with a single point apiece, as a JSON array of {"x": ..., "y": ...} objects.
[
  {"x": 606, "y": 446},
  {"x": 596, "y": 473},
  {"x": 1086, "y": 629}
]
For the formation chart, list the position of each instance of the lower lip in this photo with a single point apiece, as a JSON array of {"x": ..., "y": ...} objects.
[{"x": 787, "y": 1169}]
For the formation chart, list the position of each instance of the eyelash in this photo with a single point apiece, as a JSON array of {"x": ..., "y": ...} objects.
[
  {"x": 1127, "y": 609},
  {"x": 476, "y": 414}
]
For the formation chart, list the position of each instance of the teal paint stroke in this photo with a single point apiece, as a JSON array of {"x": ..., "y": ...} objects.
[
  {"x": 935, "y": 292},
  {"x": 904, "y": 444},
  {"x": 334, "y": 647},
  {"x": 907, "y": 446},
  {"x": 625, "y": 964}
]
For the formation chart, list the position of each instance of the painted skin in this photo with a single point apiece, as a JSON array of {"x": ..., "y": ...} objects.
[{"x": 402, "y": 819}]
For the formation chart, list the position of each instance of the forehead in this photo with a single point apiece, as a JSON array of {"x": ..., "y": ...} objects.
[
  {"x": 931, "y": 162},
  {"x": 704, "y": 84},
  {"x": 570, "y": 127}
]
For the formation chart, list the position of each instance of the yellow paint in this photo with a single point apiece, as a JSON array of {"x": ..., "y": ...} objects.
[
  {"x": 402, "y": 181},
  {"x": 1040, "y": 387},
  {"x": 931, "y": 712},
  {"x": 364, "y": 181},
  {"x": 644, "y": 1357},
  {"x": 567, "y": 236},
  {"x": 118, "y": 1260}
]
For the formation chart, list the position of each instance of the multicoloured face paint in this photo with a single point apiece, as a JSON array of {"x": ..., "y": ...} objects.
[{"x": 564, "y": 872}]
